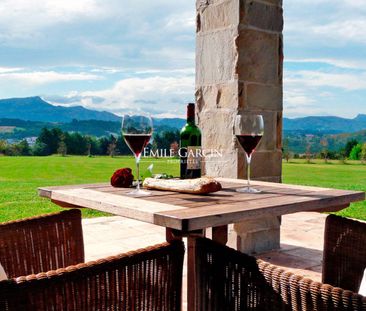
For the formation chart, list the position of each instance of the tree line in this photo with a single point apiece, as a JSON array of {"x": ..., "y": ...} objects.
[
  {"x": 352, "y": 150},
  {"x": 56, "y": 141}
]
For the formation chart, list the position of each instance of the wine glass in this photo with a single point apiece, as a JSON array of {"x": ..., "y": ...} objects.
[
  {"x": 249, "y": 129},
  {"x": 137, "y": 131}
]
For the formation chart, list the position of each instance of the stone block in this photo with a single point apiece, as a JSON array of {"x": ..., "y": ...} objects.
[
  {"x": 261, "y": 15},
  {"x": 203, "y": 4},
  {"x": 277, "y": 179},
  {"x": 264, "y": 97},
  {"x": 218, "y": 15},
  {"x": 266, "y": 164},
  {"x": 218, "y": 96},
  {"x": 279, "y": 129},
  {"x": 217, "y": 128},
  {"x": 258, "y": 235},
  {"x": 216, "y": 57},
  {"x": 225, "y": 166},
  {"x": 269, "y": 139},
  {"x": 280, "y": 59},
  {"x": 258, "y": 59},
  {"x": 274, "y": 2}
]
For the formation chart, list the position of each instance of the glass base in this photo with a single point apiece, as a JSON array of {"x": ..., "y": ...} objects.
[
  {"x": 139, "y": 193},
  {"x": 248, "y": 190}
]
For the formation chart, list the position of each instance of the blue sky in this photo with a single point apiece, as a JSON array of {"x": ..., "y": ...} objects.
[{"x": 120, "y": 55}]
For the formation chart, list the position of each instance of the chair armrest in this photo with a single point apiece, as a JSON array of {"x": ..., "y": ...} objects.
[
  {"x": 232, "y": 281},
  {"x": 146, "y": 279},
  {"x": 344, "y": 256},
  {"x": 42, "y": 243}
]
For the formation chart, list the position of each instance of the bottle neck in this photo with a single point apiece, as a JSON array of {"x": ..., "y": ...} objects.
[{"x": 190, "y": 114}]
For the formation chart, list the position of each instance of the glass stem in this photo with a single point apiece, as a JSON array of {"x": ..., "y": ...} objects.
[
  {"x": 249, "y": 160},
  {"x": 138, "y": 171}
]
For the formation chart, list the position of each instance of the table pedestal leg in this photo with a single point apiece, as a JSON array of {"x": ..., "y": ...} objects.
[
  {"x": 258, "y": 235},
  {"x": 219, "y": 234},
  {"x": 192, "y": 289}
]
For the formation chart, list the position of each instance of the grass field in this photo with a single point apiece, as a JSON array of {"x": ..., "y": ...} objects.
[
  {"x": 350, "y": 176},
  {"x": 21, "y": 176}
]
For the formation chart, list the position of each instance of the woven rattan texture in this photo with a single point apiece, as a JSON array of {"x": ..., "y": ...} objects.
[
  {"x": 344, "y": 252},
  {"x": 144, "y": 280},
  {"x": 41, "y": 243},
  {"x": 231, "y": 281}
]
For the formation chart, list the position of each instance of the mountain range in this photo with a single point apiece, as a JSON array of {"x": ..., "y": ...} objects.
[
  {"x": 24, "y": 117},
  {"x": 327, "y": 125},
  {"x": 36, "y": 109}
]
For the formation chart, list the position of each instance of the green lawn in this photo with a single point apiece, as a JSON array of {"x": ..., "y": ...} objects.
[
  {"x": 20, "y": 177},
  {"x": 351, "y": 176}
]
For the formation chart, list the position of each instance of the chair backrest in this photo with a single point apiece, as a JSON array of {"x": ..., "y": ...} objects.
[
  {"x": 344, "y": 258},
  {"x": 42, "y": 243},
  {"x": 228, "y": 280},
  {"x": 143, "y": 280}
]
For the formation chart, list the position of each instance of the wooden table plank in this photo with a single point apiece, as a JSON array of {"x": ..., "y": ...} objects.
[
  {"x": 193, "y": 212},
  {"x": 125, "y": 206},
  {"x": 47, "y": 191},
  {"x": 243, "y": 182},
  {"x": 217, "y": 215}
]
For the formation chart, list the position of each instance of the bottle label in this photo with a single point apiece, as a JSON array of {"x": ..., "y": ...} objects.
[{"x": 194, "y": 157}]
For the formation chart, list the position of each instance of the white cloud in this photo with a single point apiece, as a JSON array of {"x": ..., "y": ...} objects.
[
  {"x": 108, "y": 50},
  {"x": 177, "y": 22},
  {"x": 23, "y": 18},
  {"x": 161, "y": 96},
  {"x": 297, "y": 102},
  {"x": 44, "y": 77},
  {"x": 343, "y": 31},
  {"x": 317, "y": 79},
  {"x": 316, "y": 92},
  {"x": 340, "y": 63},
  {"x": 9, "y": 69},
  {"x": 325, "y": 23},
  {"x": 169, "y": 53}
]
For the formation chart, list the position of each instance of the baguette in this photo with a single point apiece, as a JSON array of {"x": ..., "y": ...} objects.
[{"x": 201, "y": 185}]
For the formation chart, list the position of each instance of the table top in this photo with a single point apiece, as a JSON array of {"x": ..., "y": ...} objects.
[{"x": 188, "y": 212}]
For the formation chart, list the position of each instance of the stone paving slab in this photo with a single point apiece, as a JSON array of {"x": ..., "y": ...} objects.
[{"x": 301, "y": 241}]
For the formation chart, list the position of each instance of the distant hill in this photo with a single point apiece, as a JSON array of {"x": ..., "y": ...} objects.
[
  {"x": 298, "y": 141},
  {"x": 16, "y": 129},
  {"x": 36, "y": 109},
  {"x": 325, "y": 124},
  {"x": 25, "y": 117}
]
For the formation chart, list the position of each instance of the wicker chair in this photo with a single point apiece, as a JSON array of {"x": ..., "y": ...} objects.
[
  {"x": 42, "y": 243},
  {"x": 228, "y": 280},
  {"x": 144, "y": 280},
  {"x": 344, "y": 259}
]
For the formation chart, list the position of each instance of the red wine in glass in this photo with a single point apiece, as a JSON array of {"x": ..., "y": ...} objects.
[
  {"x": 137, "y": 131},
  {"x": 249, "y": 142},
  {"x": 137, "y": 142},
  {"x": 249, "y": 129}
]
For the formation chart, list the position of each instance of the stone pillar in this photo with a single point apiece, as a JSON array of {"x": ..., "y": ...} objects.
[{"x": 239, "y": 66}]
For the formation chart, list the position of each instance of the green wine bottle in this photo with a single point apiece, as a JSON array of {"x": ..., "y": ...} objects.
[{"x": 190, "y": 147}]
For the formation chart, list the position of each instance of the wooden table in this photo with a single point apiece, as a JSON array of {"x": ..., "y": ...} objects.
[{"x": 185, "y": 215}]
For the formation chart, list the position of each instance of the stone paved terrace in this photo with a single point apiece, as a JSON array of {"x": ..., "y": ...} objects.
[{"x": 301, "y": 240}]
